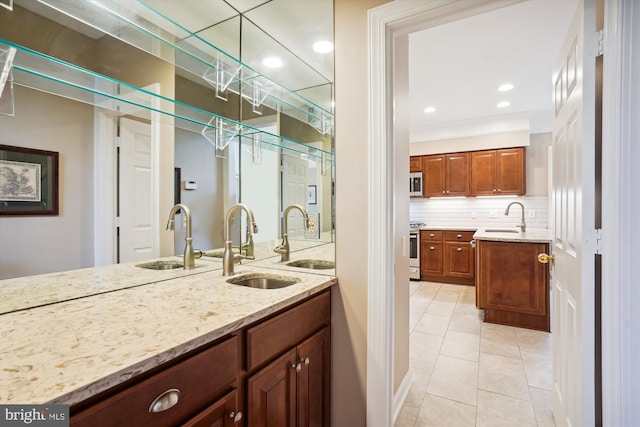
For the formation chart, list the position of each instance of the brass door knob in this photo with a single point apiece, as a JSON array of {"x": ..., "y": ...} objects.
[{"x": 544, "y": 259}]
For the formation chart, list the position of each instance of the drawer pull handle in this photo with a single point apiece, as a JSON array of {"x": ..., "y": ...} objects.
[
  {"x": 431, "y": 248},
  {"x": 166, "y": 400},
  {"x": 297, "y": 367},
  {"x": 459, "y": 249},
  {"x": 459, "y": 236},
  {"x": 236, "y": 417}
]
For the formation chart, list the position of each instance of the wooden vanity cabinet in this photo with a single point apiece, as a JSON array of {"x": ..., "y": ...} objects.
[
  {"x": 447, "y": 256},
  {"x": 446, "y": 175},
  {"x": 498, "y": 172},
  {"x": 293, "y": 389},
  {"x": 512, "y": 287},
  {"x": 276, "y": 372}
]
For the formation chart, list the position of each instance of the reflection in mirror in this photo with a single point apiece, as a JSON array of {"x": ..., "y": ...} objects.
[{"x": 294, "y": 149}]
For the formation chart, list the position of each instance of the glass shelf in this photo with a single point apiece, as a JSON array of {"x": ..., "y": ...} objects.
[
  {"x": 138, "y": 24},
  {"x": 42, "y": 72}
]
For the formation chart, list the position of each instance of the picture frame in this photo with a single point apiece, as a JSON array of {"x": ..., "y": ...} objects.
[
  {"x": 28, "y": 181},
  {"x": 312, "y": 194}
]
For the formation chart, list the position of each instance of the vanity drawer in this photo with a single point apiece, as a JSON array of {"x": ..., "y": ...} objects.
[
  {"x": 435, "y": 235},
  {"x": 195, "y": 383},
  {"x": 271, "y": 337},
  {"x": 458, "y": 236}
]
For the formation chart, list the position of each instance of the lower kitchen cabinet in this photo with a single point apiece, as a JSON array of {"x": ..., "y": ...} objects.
[
  {"x": 275, "y": 372},
  {"x": 512, "y": 287},
  {"x": 447, "y": 256},
  {"x": 293, "y": 390}
]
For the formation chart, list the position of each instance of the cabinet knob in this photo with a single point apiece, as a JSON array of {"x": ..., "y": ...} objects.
[
  {"x": 236, "y": 417},
  {"x": 443, "y": 192},
  {"x": 305, "y": 360},
  {"x": 297, "y": 367},
  {"x": 459, "y": 249},
  {"x": 459, "y": 236},
  {"x": 166, "y": 400},
  {"x": 431, "y": 248},
  {"x": 448, "y": 191},
  {"x": 431, "y": 235},
  {"x": 499, "y": 190}
]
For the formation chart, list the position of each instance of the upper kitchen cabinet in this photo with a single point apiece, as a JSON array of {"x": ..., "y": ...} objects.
[
  {"x": 498, "y": 172},
  {"x": 415, "y": 164},
  {"x": 446, "y": 175}
]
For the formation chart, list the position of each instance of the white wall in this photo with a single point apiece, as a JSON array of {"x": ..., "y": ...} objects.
[
  {"x": 471, "y": 143},
  {"x": 197, "y": 159},
  {"x": 42, "y": 244}
]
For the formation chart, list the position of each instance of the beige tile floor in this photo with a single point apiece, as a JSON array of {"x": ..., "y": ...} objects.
[{"x": 469, "y": 373}]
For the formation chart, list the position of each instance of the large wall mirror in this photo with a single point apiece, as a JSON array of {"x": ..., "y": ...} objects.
[{"x": 231, "y": 123}]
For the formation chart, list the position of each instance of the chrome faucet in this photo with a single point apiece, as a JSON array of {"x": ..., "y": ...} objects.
[
  {"x": 229, "y": 259},
  {"x": 189, "y": 254},
  {"x": 283, "y": 248},
  {"x": 523, "y": 225},
  {"x": 247, "y": 248}
]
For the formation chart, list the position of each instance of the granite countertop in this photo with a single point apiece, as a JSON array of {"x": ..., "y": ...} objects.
[
  {"x": 503, "y": 234},
  {"x": 68, "y": 351}
]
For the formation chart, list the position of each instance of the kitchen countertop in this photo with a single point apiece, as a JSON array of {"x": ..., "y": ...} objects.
[
  {"x": 68, "y": 351},
  {"x": 501, "y": 234},
  {"x": 461, "y": 228}
]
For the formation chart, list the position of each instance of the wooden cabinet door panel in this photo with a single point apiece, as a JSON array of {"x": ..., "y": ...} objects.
[
  {"x": 433, "y": 168},
  {"x": 511, "y": 278},
  {"x": 220, "y": 414},
  {"x": 510, "y": 171},
  {"x": 271, "y": 394},
  {"x": 459, "y": 260},
  {"x": 415, "y": 164},
  {"x": 457, "y": 174},
  {"x": 313, "y": 381},
  {"x": 483, "y": 173},
  {"x": 431, "y": 258}
]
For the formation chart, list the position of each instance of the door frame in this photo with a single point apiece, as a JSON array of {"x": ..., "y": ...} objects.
[
  {"x": 104, "y": 180},
  {"x": 399, "y": 18}
]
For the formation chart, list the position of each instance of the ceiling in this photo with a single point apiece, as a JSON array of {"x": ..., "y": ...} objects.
[{"x": 458, "y": 67}]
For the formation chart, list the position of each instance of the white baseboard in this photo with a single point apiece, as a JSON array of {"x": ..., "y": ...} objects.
[{"x": 401, "y": 395}]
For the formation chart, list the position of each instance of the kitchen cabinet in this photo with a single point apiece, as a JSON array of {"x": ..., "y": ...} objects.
[
  {"x": 275, "y": 372},
  {"x": 446, "y": 175},
  {"x": 447, "y": 256},
  {"x": 498, "y": 172},
  {"x": 512, "y": 287},
  {"x": 415, "y": 164}
]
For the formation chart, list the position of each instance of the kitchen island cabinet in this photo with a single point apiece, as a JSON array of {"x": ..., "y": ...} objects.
[{"x": 512, "y": 287}]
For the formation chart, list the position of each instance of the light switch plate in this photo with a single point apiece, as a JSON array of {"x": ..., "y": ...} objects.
[{"x": 531, "y": 213}]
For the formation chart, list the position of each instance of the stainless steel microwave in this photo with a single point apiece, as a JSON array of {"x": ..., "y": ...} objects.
[{"x": 415, "y": 184}]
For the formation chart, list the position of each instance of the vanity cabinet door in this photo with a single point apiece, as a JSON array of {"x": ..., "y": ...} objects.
[
  {"x": 223, "y": 413},
  {"x": 314, "y": 380}
]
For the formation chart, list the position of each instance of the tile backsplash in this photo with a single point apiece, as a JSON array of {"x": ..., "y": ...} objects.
[{"x": 479, "y": 211}]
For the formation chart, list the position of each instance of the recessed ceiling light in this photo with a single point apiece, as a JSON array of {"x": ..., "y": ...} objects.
[
  {"x": 430, "y": 109},
  {"x": 272, "y": 62},
  {"x": 503, "y": 104},
  {"x": 323, "y": 46},
  {"x": 506, "y": 87}
]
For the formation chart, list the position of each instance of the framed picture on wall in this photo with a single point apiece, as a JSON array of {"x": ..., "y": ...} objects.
[
  {"x": 28, "y": 181},
  {"x": 312, "y": 194}
]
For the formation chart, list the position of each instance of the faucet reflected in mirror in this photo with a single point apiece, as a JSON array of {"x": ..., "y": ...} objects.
[
  {"x": 309, "y": 225},
  {"x": 229, "y": 259},
  {"x": 190, "y": 254},
  {"x": 523, "y": 225}
]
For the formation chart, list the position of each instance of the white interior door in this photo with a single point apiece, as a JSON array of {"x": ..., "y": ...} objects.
[
  {"x": 294, "y": 191},
  {"x": 573, "y": 197},
  {"x": 137, "y": 218}
]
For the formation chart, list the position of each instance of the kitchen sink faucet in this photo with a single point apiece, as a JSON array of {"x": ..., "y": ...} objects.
[
  {"x": 229, "y": 259},
  {"x": 189, "y": 254},
  {"x": 523, "y": 225},
  {"x": 309, "y": 225}
]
